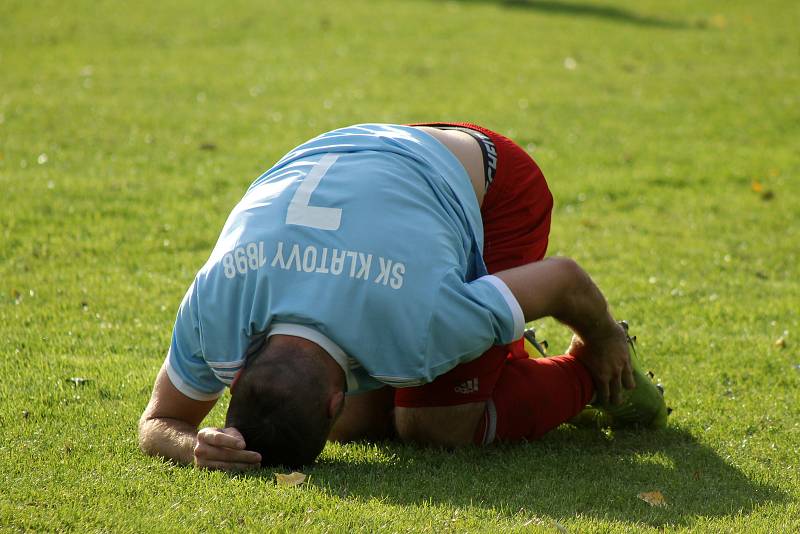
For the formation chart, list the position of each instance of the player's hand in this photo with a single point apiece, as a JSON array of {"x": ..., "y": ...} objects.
[
  {"x": 608, "y": 359},
  {"x": 224, "y": 449}
]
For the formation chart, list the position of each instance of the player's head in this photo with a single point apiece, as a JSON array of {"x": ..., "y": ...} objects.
[{"x": 285, "y": 401}]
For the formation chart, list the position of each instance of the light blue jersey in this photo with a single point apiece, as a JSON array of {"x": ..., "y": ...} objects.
[{"x": 366, "y": 240}]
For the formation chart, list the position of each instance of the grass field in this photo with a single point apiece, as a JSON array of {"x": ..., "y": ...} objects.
[{"x": 669, "y": 132}]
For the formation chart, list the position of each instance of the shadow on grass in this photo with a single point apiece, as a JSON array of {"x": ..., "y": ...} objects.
[
  {"x": 570, "y": 472},
  {"x": 580, "y": 9}
]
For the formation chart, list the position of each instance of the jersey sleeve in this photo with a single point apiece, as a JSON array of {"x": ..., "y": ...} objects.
[
  {"x": 186, "y": 368},
  {"x": 468, "y": 318}
]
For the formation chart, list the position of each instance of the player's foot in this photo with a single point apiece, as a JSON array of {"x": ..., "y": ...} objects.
[
  {"x": 641, "y": 406},
  {"x": 591, "y": 417}
]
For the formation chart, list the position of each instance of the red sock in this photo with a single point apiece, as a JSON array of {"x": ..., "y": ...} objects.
[{"x": 533, "y": 396}]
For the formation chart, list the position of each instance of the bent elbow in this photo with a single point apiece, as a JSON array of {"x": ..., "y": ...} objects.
[
  {"x": 577, "y": 288},
  {"x": 568, "y": 267}
]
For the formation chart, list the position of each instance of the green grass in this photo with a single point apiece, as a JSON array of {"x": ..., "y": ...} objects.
[{"x": 651, "y": 144}]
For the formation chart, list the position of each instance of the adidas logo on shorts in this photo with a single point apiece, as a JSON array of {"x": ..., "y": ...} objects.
[{"x": 470, "y": 386}]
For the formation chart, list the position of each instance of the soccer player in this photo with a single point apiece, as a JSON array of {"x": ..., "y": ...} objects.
[{"x": 377, "y": 279}]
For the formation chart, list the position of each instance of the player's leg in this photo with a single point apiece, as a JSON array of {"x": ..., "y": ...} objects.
[
  {"x": 502, "y": 395},
  {"x": 499, "y": 396},
  {"x": 447, "y": 411},
  {"x": 534, "y": 396},
  {"x": 365, "y": 416},
  {"x": 442, "y": 426}
]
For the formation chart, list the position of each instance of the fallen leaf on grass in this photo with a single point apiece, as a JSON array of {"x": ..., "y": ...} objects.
[
  {"x": 719, "y": 21},
  {"x": 781, "y": 341},
  {"x": 758, "y": 187},
  {"x": 653, "y": 498},
  {"x": 292, "y": 479}
]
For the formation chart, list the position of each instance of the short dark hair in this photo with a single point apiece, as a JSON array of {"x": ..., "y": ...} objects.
[{"x": 280, "y": 405}]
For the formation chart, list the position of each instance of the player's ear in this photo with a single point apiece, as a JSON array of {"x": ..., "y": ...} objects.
[{"x": 335, "y": 405}]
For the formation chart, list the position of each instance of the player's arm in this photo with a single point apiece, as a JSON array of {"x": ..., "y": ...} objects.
[
  {"x": 169, "y": 428},
  {"x": 560, "y": 288}
]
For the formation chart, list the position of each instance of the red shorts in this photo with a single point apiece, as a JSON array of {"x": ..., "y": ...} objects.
[{"x": 516, "y": 225}]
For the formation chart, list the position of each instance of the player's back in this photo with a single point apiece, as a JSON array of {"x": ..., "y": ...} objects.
[{"x": 351, "y": 234}]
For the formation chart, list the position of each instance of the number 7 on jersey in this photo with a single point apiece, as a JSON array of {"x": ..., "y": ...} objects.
[{"x": 301, "y": 213}]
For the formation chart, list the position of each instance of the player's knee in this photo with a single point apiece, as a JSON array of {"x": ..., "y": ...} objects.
[
  {"x": 410, "y": 425},
  {"x": 443, "y": 426}
]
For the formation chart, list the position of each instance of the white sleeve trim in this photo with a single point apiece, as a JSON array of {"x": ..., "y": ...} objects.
[
  {"x": 182, "y": 386},
  {"x": 328, "y": 345},
  {"x": 511, "y": 301}
]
